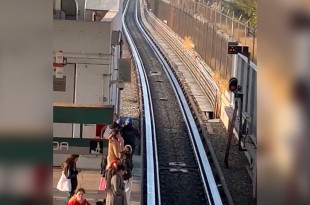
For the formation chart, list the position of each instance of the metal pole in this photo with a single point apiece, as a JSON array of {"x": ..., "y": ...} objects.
[
  {"x": 240, "y": 95},
  {"x": 253, "y": 49},
  {"x": 81, "y": 130},
  {"x": 119, "y": 102},
  {"x": 221, "y": 17},
  {"x": 247, "y": 81},
  {"x": 231, "y": 132},
  {"x": 77, "y": 10},
  {"x": 238, "y": 29},
  {"x": 232, "y": 23}
]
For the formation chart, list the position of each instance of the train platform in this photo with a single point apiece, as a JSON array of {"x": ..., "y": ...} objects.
[{"x": 89, "y": 180}]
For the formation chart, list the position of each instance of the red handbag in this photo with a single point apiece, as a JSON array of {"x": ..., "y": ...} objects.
[{"x": 103, "y": 183}]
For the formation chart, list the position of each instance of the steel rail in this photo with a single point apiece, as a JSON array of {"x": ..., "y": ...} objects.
[
  {"x": 203, "y": 163},
  {"x": 202, "y": 75},
  {"x": 153, "y": 192}
]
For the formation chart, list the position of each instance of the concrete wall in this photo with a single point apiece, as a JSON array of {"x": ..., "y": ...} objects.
[
  {"x": 116, "y": 25},
  {"x": 82, "y": 37},
  {"x": 117, "y": 20},
  {"x": 102, "y": 5},
  {"x": 57, "y": 4},
  {"x": 91, "y": 80},
  {"x": 81, "y": 8},
  {"x": 65, "y": 130},
  {"x": 99, "y": 15}
]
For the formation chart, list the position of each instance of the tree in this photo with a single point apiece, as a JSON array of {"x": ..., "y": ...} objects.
[{"x": 248, "y": 8}]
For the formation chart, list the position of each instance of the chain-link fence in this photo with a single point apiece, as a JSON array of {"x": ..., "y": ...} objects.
[
  {"x": 210, "y": 43},
  {"x": 201, "y": 24},
  {"x": 224, "y": 20}
]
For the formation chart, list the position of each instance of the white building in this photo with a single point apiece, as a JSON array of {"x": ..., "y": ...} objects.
[{"x": 88, "y": 34}]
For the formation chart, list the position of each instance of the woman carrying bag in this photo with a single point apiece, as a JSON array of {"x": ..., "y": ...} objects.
[{"x": 70, "y": 172}]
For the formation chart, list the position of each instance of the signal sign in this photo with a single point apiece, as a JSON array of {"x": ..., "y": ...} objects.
[
  {"x": 234, "y": 48},
  {"x": 233, "y": 84}
]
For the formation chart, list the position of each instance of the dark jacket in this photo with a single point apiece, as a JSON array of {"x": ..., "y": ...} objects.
[
  {"x": 129, "y": 134},
  {"x": 126, "y": 160},
  {"x": 116, "y": 126},
  {"x": 71, "y": 173},
  {"x": 70, "y": 170}
]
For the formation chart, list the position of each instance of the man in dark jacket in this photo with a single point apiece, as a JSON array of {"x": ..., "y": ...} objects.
[
  {"x": 129, "y": 134},
  {"x": 126, "y": 160}
]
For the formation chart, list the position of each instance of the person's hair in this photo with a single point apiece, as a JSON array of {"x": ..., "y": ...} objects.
[
  {"x": 69, "y": 161},
  {"x": 121, "y": 167},
  {"x": 80, "y": 190},
  {"x": 75, "y": 193},
  {"x": 114, "y": 133}
]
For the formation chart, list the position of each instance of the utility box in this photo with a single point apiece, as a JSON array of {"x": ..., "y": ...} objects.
[
  {"x": 115, "y": 38},
  {"x": 124, "y": 68}
]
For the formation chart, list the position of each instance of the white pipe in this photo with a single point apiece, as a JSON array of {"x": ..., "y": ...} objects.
[
  {"x": 85, "y": 8},
  {"x": 77, "y": 10},
  {"x": 93, "y": 17}
]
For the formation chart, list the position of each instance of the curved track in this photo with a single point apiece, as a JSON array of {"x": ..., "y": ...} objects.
[{"x": 177, "y": 168}]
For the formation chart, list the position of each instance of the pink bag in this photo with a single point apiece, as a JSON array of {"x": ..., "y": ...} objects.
[{"x": 102, "y": 184}]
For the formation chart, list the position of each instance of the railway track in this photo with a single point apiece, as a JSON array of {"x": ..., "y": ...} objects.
[
  {"x": 177, "y": 170},
  {"x": 201, "y": 75}
]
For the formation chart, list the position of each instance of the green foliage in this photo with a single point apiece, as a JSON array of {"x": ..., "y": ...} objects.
[{"x": 248, "y": 9}]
